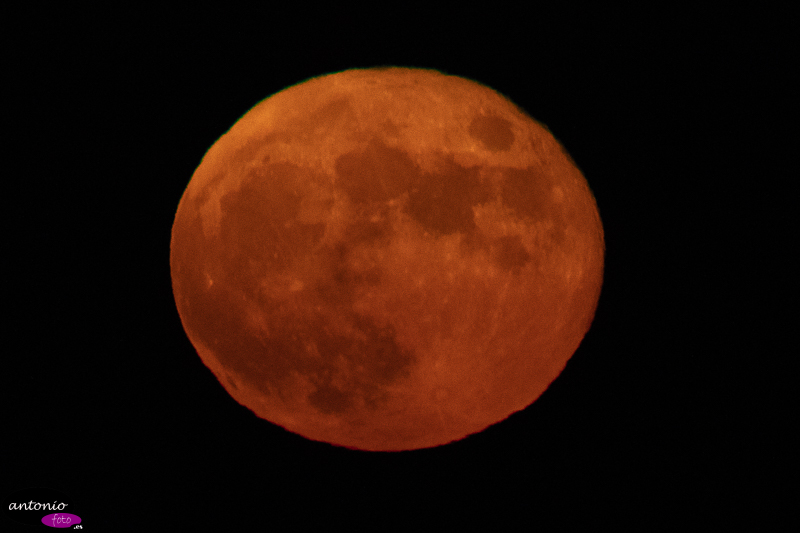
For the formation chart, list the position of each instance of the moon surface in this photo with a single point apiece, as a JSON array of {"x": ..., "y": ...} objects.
[{"x": 386, "y": 259}]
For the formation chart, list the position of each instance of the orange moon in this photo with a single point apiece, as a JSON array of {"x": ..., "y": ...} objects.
[{"x": 386, "y": 259}]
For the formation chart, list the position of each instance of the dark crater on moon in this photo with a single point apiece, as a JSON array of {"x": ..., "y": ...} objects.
[
  {"x": 441, "y": 202},
  {"x": 494, "y": 133}
]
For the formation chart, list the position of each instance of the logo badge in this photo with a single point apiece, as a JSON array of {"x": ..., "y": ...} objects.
[
  {"x": 61, "y": 520},
  {"x": 41, "y": 505}
]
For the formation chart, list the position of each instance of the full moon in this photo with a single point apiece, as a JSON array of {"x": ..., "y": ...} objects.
[{"x": 386, "y": 259}]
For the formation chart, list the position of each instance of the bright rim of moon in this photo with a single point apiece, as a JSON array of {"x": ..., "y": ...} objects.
[{"x": 386, "y": 259}]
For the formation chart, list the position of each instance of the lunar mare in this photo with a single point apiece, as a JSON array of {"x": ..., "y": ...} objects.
[{"x": 386, "y": 259}]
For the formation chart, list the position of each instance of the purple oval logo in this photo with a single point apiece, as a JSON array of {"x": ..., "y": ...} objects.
[{"x": 61, "y": 520}]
